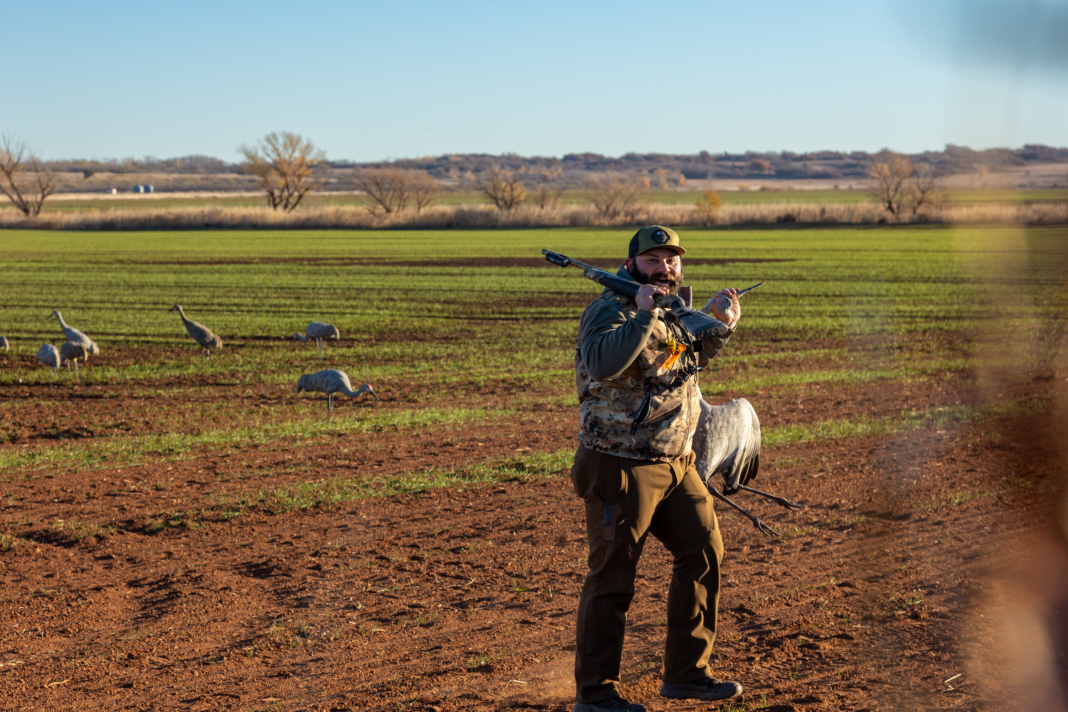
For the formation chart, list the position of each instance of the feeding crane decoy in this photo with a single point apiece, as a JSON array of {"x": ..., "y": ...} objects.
[
  {"x": 48, "y": 355},
  {"x": 727, "y": 443},
  {"x": 200, "y": 333},
  {"x": 318, "y": 330},
  {"x": 330, "y": 382},
  {"x": 72, "y": 352},
  {"x": 75, "y": 335}
]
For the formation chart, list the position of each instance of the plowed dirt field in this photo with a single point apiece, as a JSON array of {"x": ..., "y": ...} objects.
[
  {"x": 878, "y": 596},
  {"x": 184, "y": 533}
]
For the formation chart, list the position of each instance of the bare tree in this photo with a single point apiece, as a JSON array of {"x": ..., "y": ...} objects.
[
  {"x": 393, "y": 189},
  {"x": 548, "y": 192},
  {"x": 425, "y": 189},
  {"x": 388, "y": 187},
  {"x": 23, "y": 178},
  {"x": 547, "y": 196},
  {"x": 924, "y": 188},
  {"x": 890, "y": 176},
  {"x": 614, "y": 197},
  {"x": 501, "y": 187},
  {"x": 283, "y": 165}
]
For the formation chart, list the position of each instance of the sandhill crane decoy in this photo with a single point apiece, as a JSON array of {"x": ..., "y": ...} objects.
[
  {"x": 48, "y": 355},
  {"x": 330, "y": 382},
  {"x": 73, "y": 334},
  {"x": 318, "y": 330},
  {"x": 200, "y": 333},
  {"x": 72, "y": 352},
  {"x": 4, "y": 344},
  {"x": 727, "y": 443}
]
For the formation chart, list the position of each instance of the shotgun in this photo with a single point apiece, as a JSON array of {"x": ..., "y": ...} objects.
[{"x": 699, "y": 324}]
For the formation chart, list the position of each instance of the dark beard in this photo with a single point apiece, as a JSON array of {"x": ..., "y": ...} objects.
[{"x": 660, "y": 279}]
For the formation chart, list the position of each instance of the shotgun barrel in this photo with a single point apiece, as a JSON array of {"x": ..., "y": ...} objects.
[{"x": 699, "y": 324}]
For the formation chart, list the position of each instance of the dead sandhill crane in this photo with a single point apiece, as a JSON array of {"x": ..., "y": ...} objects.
[
  {"x": 73, "y": 352},
  {"x": 727, "y": 443},
  {"x": 331, "y": 382},
  {"x": 200, "y": 333},
  {"x": 318, "y": 330},
  {"x": 48, "y": 355},
  {"x": 73, "y": 334}
]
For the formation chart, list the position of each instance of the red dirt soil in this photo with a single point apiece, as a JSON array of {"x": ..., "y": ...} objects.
[{"x": 887, "y": 586}]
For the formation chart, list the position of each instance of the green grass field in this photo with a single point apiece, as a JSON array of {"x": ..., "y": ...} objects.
[
  {"x": 687, "y": 197},
  {"x": 491, "y": 322},
  {"x": 170, "y": 493},
  {"x": 851, "y": 310}
]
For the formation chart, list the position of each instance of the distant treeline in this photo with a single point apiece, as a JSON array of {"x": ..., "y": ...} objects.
[
  {"x": 704, "y": 165},
  {"x": 192, "y": 165},
  {"x": 576, "y": 166}
]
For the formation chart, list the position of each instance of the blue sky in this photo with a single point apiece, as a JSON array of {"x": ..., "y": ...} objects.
[{"x": 373, "y": 81}]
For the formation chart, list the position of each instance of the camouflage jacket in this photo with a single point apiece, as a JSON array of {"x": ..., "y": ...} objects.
[{"x": 622, "y": 353}]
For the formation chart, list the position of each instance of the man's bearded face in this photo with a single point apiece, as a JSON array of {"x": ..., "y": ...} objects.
[{"x": 647, "y": 271}]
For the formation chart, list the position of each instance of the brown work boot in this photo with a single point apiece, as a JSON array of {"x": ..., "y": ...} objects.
[
  {"x": 705, "y": 688},
  {"x": 612, "y": 704}
]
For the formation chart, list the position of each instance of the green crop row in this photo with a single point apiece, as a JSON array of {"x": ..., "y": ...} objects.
[{"x": 441, "y": 317}]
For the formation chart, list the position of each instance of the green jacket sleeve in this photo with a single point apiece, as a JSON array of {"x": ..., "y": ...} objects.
[
  {"x": 710, "y": 346},
  {"x": 611, "y": 340}
]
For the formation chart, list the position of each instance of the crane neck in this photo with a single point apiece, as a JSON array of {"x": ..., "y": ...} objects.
[{"x": 355, "y": 393}]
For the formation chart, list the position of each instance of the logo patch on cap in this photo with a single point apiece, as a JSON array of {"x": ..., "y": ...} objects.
[{"x": 660, "y": 237}]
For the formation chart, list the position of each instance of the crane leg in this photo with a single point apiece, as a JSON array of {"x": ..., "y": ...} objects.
[
  {"x": 782, "y": 501},
  {"x": 761, "y": 526},
  {"x": 76, "y": 379}
]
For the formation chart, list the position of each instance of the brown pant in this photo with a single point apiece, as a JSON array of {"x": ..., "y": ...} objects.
[{"x": 626, "y": 500}]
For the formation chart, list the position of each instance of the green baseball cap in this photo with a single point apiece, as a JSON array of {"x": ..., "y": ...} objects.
[{"x": 652, "y": 237}]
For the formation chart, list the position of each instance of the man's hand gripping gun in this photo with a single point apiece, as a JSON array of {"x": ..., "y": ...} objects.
[{"x": 675, "y": 308}]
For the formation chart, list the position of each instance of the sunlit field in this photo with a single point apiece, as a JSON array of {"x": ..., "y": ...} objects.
[{"x": 209, "y": 524}]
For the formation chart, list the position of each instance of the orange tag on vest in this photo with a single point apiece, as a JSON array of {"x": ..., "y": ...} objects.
[{"x": 676, "y": 351}]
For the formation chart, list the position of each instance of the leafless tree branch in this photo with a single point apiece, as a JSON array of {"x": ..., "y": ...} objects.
[
  {"x": 393, "y": 189},
  {"x": 890, "y": 176},
  {"x": 24, "y": 180},
  {"x": 501, "y": 187},
  {"x": 283, "y": 165},
  {"x": 613, "y": 197},
  {"x": 924, "y": 188}
]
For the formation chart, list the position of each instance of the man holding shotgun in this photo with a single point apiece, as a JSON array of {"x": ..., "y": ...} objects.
[{"x": 637, "y": 380}]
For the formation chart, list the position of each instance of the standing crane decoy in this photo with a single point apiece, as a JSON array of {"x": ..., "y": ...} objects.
[
  {"x": 48, "y": 355},
  {"x": 330, "y": 382},
  {"x": 318, "y": 330},
  {"x": 73, "y": 334},
  {"x": 727, "y": 443},
  {"x": 73, "y": 351},
  {"x": 4, "y": 344},
  {"x": 200, "y": 333}
]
